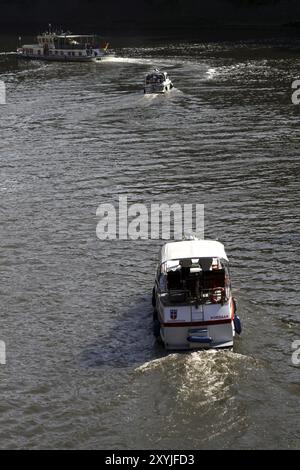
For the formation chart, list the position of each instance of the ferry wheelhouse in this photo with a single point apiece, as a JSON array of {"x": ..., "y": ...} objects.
[
  {"x": 192, "y": 298},
  {"x": 64, "y": 47}
]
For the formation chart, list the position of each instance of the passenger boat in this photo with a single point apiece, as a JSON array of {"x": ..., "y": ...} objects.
[
  {"x": 157, "y": 82},
  {"x": 192, "y": 297},
  {"x": 65, "y": 47}
]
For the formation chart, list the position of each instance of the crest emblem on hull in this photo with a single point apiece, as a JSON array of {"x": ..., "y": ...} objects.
[{"x": 173, "y": 314}]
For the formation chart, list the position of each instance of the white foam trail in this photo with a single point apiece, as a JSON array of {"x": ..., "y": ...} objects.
[
  {"x": 200, "y": 359},
  {"x": 202, "y": 376},
  {"x": 152, "y": 96},
  {"x": 176, "y": 91},
  {"x": 157, "y": 363},
  {"x": 154, "y": 63},
  {"x": 124, "y": 60},
  {"x": 7, "y": 53},
  {"x": 211, "y": 73}
]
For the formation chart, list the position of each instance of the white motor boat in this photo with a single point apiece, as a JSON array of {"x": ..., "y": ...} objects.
[
  {"x": 64, "y": 47},
  {"x": 192, "y": 298},
  {"x": 157, "y": 82}
]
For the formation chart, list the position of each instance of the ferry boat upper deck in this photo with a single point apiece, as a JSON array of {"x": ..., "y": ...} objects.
[{"x": 64, "y": 47}]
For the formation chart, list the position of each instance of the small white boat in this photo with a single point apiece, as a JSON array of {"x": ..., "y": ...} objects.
[
  {"x": 157, "y": 82},
  {"x": 64, "y": 47},
  {"x": 192, "y": 298}
]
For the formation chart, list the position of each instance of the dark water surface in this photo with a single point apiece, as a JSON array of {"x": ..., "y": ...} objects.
[{"x": 83, "y": 370}]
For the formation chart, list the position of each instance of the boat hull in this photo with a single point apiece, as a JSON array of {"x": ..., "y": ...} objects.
[
  {"x": 198, "y": 336},
  {"x": 153, "y": 90},
  {"x": 192, "y": 299},
  {"x": 207, "y": 326}
]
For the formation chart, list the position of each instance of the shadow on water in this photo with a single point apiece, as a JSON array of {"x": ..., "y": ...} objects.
[{"x": 129, "y": 341}]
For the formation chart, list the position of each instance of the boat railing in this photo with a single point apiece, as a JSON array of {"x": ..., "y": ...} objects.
[
  {"x": 216, "y": 295},
  {"x": 74, "y": 46}
]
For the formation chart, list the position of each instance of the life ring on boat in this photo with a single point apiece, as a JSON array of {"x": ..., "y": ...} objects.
[{"x": 218, "y": 295}]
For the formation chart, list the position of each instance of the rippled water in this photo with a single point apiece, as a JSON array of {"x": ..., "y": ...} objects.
[{"x": 83, "y": 370}]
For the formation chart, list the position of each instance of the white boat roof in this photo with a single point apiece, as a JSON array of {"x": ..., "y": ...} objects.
[
  {"x": 73, "y": 36},
  {"x": 193, "y": 249},
  {"x": 31, "y": 46}
]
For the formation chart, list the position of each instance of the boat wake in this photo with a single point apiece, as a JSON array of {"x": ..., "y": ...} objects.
[
  {"x": 196, "y": 359},
  {"x": 211, "y": 73},
  {"x": 205, "y": 376},
  {"x": 150, "y": 97},
  {"x": 124, "y": 60},
  {"x": 34, "y": 67},
  {"x": 156, "y": 63}
]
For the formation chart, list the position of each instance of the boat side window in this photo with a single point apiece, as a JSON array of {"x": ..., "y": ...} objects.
[
  {"x": 174, "y": 280},
  {"x": 213, "y": 279}
]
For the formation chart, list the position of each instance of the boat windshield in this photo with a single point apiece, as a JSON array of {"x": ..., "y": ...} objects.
[
  {"x": 77, "y": 42},
  {"x": 190, "y": 281},
  {"x": 155, "y": 78}
]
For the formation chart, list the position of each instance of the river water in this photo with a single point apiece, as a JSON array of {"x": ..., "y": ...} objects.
[{"x": 83, "y": 370}]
